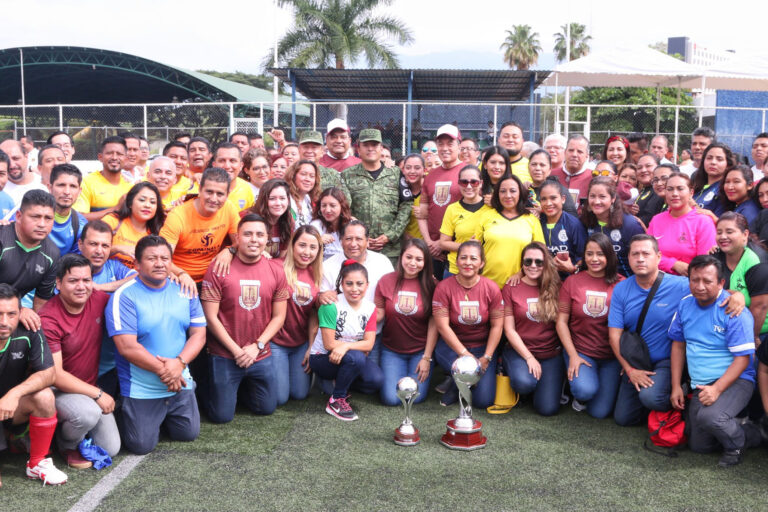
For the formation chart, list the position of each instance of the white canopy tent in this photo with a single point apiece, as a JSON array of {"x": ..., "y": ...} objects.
[{"x": 625, "y": 67}]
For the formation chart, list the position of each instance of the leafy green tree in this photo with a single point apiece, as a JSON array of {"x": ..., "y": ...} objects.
[
  {"x": 521, "y": 47},
  {"x": 336, "y": 33},
  {"x": 579, "y": 42}
]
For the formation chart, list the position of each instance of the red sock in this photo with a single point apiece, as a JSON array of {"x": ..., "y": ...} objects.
[{"x": 40, "y": 436}]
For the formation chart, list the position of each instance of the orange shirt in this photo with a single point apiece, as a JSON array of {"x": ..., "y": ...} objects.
[
  {"x": 124, "y": 234},
  {"x": 198, "y": 239}
]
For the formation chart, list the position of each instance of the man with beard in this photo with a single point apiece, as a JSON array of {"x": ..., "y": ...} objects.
[
  {"x": 67, "y": 223},
  {"x": 102, "y": 191},
  {"x": 511, "y": 139},
  {"x": 20, "y": 178}
]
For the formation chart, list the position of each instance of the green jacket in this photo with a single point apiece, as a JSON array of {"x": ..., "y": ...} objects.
[
  {"x": 739, "y": 282},
  {"x": 378, "y": 205},
  {"x": 332, "y": 178}
]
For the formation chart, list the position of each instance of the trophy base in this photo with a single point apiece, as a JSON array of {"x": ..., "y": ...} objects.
[
  {"x": 461, "y": 438},
  {"x": 407, "y": 439}
]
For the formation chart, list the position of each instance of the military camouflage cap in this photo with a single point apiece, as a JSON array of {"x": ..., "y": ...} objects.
[{"x": 369, "y": 134}]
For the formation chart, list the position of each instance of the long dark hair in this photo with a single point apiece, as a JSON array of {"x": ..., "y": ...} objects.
[
  {"x": 260, "y": 207},
  {"x": 700, "y": 177},
  {"x": 611, "y": 260},
  {"x": 426, "y": 281},
  {"x": 155, "y": 223},
  {"x": 489, "y": 152},
  {"x": 522, "y": 201},
  {"x": 344, "y": 217},
  {"x": 549, "y": 284},
  {"x": 616, "y": 217},
  {"x": 748, "y": 176}
]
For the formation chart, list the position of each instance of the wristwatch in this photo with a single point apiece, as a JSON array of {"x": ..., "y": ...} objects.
[
  {"x": 232, "y": 250},
  {"x": 261, "y": 345}
]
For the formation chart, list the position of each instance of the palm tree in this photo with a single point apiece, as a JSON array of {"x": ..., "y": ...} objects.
[
  {"x": 335, "y": 33},
  {"x": 579, "y": 42},
  {"x": 521, "y": 47}
]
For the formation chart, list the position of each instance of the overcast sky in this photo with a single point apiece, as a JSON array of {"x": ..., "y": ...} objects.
[{"x": 237, "y": 34}]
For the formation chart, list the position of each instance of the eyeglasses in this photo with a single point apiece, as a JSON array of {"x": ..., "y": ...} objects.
[
  {"x": 466, "y": 148},
  {"x": 659, "y": 179},
  {"x": 429, "y": 150},
  {"x": 602, "y": 173},
  {"x": 467, "y": 183},
  {"x": 531, "y": 262}
]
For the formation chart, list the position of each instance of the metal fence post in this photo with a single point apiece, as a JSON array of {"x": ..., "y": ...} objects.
[
  {"x": 402, "y": 146},
  {"x": 145, "y": 121},
  {"x": 231, "y": 118},
  {"x": 61, "y": 117},
  {"x": 677, "y": 123},
  {"x": 588, "y": 124},
  {"x": 261, "y": 115},
  {"x": 495, "y": 118},
  {"x": 314, "y": 116}
]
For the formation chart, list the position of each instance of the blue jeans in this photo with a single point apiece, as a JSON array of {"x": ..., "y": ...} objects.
[
  {"x": 546, "y": 391},
  {"x": 396, "y": 366},
  {"x": 632, "y": 406},
  {"x": 355, "y": 368},
  {"x": 375, "y": 354},
  {"x": 290, "y": 378},
  {"x": 225, "y": 378},
  {"x": 484, "y": 392},
  {"x": 596, "y": 386}
]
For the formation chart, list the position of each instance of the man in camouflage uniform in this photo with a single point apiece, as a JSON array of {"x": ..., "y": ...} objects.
[
  {"x": 311, "y": 148},
  {"x": 378, "y": 199}
]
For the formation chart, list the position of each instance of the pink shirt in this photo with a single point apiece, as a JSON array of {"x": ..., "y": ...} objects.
[{"x": 682, "y": 238}]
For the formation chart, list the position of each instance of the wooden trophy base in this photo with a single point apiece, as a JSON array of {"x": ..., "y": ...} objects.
[
  {"x": 407, "y": 439},
  {"x": 457, "y": 438}
]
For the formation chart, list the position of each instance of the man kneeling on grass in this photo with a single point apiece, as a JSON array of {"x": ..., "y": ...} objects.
[
  {"x": 244, "y": 309},
  {"x": 719, "y": 351},
  {"x": 26, "y": 372},
  {"x": 148, "y": 318}
]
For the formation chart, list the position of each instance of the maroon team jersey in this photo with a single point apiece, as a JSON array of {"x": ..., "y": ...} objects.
[
  {"x": 77, "y": 337},
  {"x": 522, "y": 303},
  {"x": 406, "y": 319},
  {"x": 301, "y": 305},
  {"x": 245, "y": 299},
  {"x": 587, "y": 300},
  {"x": 440, "y": 188},
  {"x": 469, "y": 310},
  {"x": 338, "y": 164}
]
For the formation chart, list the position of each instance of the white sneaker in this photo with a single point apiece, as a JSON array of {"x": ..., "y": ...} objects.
[
  {"x": 578, "y": 406},
  {"x": 47, "y": 472}
]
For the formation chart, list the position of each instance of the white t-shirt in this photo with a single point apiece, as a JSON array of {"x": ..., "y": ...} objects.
[
  {"x": 255, "y": 190},
  {"x": 350, "y": 323},
  {"x": 303, "y": 216},
  {"x": 688, "y": 169},
  {"x": 331, "y": 249},
  {"x": 757, "y": 174},
  {"x": 17, "y": 191}
]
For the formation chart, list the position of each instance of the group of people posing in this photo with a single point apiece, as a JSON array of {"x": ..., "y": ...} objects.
[{"x": 132, "y": 297}]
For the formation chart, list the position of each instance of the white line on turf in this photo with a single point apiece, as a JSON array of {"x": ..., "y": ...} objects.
[{"x": 98, "y": 492}]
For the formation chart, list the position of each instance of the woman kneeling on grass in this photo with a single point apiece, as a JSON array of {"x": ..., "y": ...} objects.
[
  {"x": 582, "y": 325},
  {"x": 404, "y": 298},
  {"x": 347, "y": 333},
  {"x": 534, "y": 359},
  {"x": 469, "y": 315}
]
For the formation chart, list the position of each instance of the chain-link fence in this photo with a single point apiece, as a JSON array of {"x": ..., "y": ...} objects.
[{"x": 404, "y": 126}]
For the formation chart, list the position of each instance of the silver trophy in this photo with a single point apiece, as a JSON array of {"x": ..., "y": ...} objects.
[
  {"x": 407, "y": 434},
  {"x": 466, "y": 372}
]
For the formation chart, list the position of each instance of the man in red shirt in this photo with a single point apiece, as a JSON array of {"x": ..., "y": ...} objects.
[
  {"x": 337, "y": 144},
  {"x": 73, "y": 322},
  {"x": 244, "y": 310},
  {"x": 440, "y": 188},
  {"x": 574, "y": 174}
]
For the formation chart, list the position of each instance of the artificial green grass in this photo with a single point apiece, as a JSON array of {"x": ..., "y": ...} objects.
[{"x": 303, "y": 459}]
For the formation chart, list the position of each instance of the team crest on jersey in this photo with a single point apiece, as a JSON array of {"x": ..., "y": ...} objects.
[
  {"x": 533, "y": 309},
  {"x": 406, "y": 303},
  {"x": 615, "y": 235},
  {"x": 273, "y": 246},
  {"x": 710, "y": 195},
  {"x": 241, "y": 202},
  {"x": 442, "y": 195},
  {"x": 596, "y": 304},
  {"x": 302, "y": 293},
  {"x": 562, "y": 236},
  {"x": 249, "y": 294},
  {"x": 682, "y": 238},
  {"x": 363, "y": 322},
  {"x": 469, "y": 312},
  {"x": 206, "y": 239}
]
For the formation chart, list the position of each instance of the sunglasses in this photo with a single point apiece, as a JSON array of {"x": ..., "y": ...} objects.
[
  {"x": 602, "y": 173},
  {"x": 429, "y": 150},
  {"x": 467, "y": 183},
  {"x": 530, "y": 262}
]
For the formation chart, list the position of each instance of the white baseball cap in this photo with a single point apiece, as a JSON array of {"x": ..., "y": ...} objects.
[
  {"x": 449, "y": 130},
  {"x": 336, "y": 124}
]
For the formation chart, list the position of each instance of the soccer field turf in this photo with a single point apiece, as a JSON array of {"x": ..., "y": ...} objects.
[{"x": 300, "y": 458}]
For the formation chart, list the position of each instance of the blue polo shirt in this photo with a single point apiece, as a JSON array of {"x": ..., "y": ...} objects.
[
  {"x": 64, "y": 236},
  {"x": 627, "y": 303},
  {"x": 6, "y": 205},
  {"x": 620, "y": 237},
  {"x": 159, "y": 318},
  {"x": 712, "y": 338}
]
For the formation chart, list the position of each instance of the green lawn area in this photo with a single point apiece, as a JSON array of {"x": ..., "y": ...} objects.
[{"x": 301, "y": 458}]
